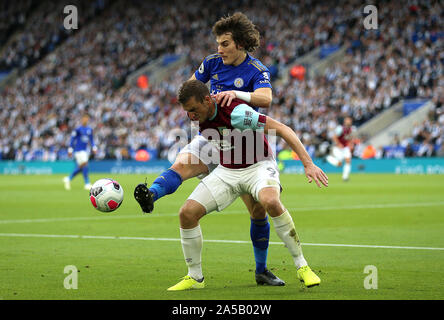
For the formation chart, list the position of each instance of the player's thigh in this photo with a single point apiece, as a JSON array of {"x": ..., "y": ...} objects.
[
  {"x": 202, "y": 195},
  {"x": 81, "y": 158},
  {"x": 255, "y": 209},
  {"x": 269, "y": 198},
  {"x": 222, "y": 185},
  {"x": 196, "y": 159},
  {"x": 264, "y": 174},
  {"x": 347, "y": 154},
  {"x": 188, "y": 166},
  {"x": 190, "y": 213},
  {"x": 338, "y": 153}
]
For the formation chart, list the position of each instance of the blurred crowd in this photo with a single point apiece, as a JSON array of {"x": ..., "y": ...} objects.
[{"x": 68, "y": 72}]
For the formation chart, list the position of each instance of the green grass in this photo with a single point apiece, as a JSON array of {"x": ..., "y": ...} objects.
[{"x": 386, "y": 210}]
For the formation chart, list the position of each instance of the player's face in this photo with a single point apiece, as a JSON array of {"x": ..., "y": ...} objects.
[
  {"x": 85, "y": 120},
  {"x": 198, "y": 111},
  {"x": 231, "y": 53},
  {"x": 348, "y": 122}
]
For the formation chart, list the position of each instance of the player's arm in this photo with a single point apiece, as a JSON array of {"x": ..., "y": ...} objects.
[
  {"x": 91, "y": 141},
  {"x": 261, "y": 97},
  {"x": 71, "y": 143},
  {"x": 312, "y": 172},
  {"x": 193, "y": 77},
  {"x": 244, "y": 117}
]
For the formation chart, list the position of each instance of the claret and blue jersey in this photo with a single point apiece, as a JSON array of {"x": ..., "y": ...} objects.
[{"x": 248, "y": 76}]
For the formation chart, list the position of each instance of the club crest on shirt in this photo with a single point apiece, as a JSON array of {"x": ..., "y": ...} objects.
[{"x": 238, "y": 82}]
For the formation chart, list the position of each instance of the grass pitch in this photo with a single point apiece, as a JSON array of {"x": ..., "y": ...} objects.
[{"x": 392, "y": 222}]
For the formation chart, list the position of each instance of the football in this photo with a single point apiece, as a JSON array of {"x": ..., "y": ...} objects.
[{"x": 106, "y": 195}]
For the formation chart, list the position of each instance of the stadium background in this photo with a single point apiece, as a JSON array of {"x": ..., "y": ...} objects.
[{"x": 123, "y": 66}]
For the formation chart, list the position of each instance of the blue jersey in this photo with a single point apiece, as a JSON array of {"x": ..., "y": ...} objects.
[
  {"x": 81, "y": 137},
  {"x": 248, "y": 76}
]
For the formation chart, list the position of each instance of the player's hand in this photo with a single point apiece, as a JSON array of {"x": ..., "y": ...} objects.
[
  {"x": 313, "y": 172},
  {"x": 224, "y": 98}
]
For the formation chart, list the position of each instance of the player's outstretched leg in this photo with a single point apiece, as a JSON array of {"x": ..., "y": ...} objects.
[
  {"x": 333, "y": 161},
  {"x": 346, "y": 170},
  {"x": 166, "y": 183},
  {"x": 85, "y": 172},
  {"x": 144, "y": 197},
  {"x": 67, "y": 180},
  {"x": 185, "y": 167}
]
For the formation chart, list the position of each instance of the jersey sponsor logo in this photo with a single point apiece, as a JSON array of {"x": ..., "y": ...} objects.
[
  {"x": 266, "y": 77},
  {"x": 239, "y": 82},
  {"x": 201, "y": 68}
]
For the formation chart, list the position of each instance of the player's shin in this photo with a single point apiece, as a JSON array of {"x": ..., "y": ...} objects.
[
  {"x": 260, "y": 236},
  {"x": 76, "y": 171},
  {"x": 286, "y": 231},
  {"x": 346, "y": 171},
  {"x": 85, "y": 171},
  {"x": 166, "y": 183},
  {"x": 332, "y": 160},
  {"x": 192, "y": 240}
]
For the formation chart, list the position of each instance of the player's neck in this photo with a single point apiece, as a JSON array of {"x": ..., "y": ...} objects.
[
  {"x": 212, "y": 111},
  {"x": 240, "y": 59}
]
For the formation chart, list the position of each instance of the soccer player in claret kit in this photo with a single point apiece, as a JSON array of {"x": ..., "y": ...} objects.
[
  {"x": 341, "y": 152},
  {"x": 233, "y": 73},
  {"x": 81, "y": 140},
  {"x": 240, "y": 171}
]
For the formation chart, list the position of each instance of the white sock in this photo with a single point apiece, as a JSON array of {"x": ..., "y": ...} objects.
[
  {"x": 346, "y": 171},
  {"x": 285, "y": 229},
  {"x": 332, "y": 160},
  {"x": 192, "y": 240}
]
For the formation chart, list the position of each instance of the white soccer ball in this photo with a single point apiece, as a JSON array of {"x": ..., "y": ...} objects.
[{"x": 106, "y": 195}]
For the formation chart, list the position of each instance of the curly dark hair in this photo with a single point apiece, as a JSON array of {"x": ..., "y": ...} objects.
[{"x": 243, "y": 30}]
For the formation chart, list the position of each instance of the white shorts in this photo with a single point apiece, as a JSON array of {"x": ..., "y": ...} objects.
[
  {"x": 219, "y": 189},
  {"x": 341, "y": 153},
  {"x": 205, "y": 151},
  {"x": 81, "y": 157}
]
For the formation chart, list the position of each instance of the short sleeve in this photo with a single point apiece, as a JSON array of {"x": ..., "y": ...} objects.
[
  {"x": 262, "y": 80},
  {"x": 245, "y": 117},
  {"x": 203, "y": 72}
]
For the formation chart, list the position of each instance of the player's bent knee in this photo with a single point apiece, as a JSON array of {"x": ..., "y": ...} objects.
[
  {"x": 190, "y": 214},
  {"x": 258, "y": 212},
  {"x": 188, "y": 167},
  {"x": 270, "y": 201}
]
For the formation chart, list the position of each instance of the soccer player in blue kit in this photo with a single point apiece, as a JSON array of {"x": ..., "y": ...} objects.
[
  {"x": 81, "y": 138},
  {"x": 233, "y": 73}
]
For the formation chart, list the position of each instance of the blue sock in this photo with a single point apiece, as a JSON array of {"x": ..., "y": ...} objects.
[
  {"x": 260, "y": 236},
  {"x": 85, "y": 174},
  {"x": 166, "y": 183},
  {"x": 76, "y": 171}
]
